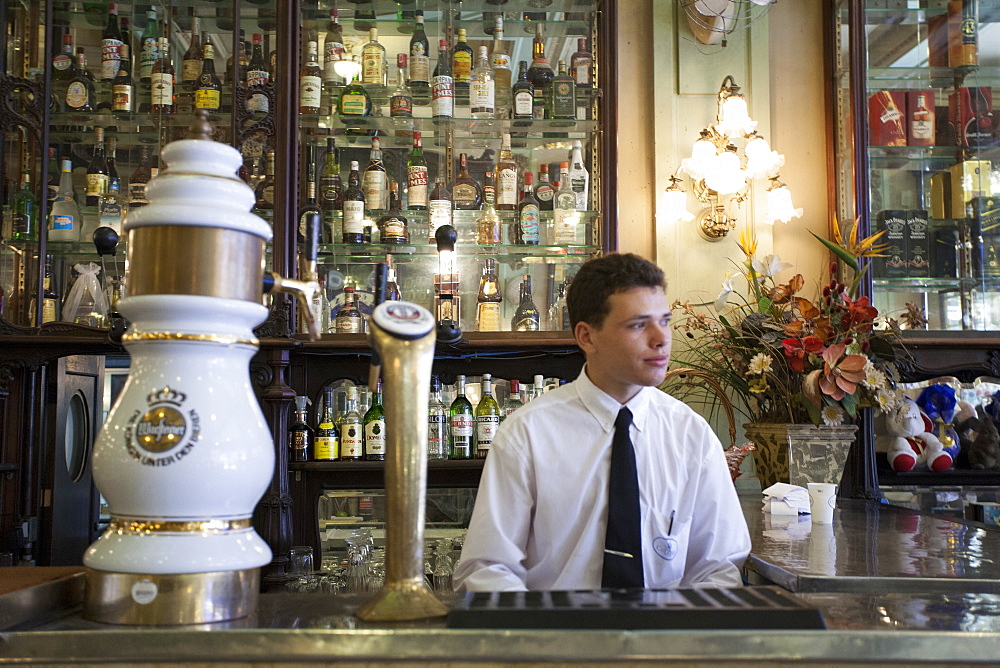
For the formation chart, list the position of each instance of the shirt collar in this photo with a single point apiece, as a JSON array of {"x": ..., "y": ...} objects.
[{"x": 605, "y": 408}]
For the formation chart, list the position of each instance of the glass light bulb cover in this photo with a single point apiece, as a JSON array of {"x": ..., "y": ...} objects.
[
  {"x": 347, "y": 68},
  {"x": 726, "y": 175},
  {"x": 675, "y": 206},
  {"x": 779, "y": 206},
  {"x": 735, "y": 117},
  {"x": 701, "y": 160}
]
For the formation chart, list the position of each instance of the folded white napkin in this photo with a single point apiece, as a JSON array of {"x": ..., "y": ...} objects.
[{"x": 784, "y": 499}]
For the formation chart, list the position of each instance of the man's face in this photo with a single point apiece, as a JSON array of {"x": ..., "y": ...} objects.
[{"x": 632, "y": 348}]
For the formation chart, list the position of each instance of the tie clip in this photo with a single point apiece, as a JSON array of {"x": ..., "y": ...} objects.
[{"x": 620, "y": 554}]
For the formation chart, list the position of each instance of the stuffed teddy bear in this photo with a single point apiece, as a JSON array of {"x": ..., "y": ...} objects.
[
  {"x": 984, "y": 453},
  {"x": 906, "y": 438}
]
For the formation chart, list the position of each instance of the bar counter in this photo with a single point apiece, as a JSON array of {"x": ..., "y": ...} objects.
[{"x": 893, "y": 586}]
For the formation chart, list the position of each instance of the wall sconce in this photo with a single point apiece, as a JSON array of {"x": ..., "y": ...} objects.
[
  {"x": 721, "y": 175},
  {"x": 348, "y": 65}
]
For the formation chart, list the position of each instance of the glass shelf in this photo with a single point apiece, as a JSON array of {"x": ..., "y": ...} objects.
[
  {"x": 927, "y": 157},
  {"x": 882, "y": 78},
  {"x": 364, "y": 253}
]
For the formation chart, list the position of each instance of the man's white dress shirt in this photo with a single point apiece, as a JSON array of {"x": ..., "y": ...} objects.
[{"x": 541, "y": 511}]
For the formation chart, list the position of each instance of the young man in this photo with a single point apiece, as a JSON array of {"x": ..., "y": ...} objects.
[{"x": 554, "y": 510}]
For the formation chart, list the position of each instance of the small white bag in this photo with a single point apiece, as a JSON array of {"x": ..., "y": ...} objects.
[{"x": 85, "y": 304}]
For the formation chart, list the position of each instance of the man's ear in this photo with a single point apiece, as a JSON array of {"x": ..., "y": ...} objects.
[{"x": 583, "y": 333}]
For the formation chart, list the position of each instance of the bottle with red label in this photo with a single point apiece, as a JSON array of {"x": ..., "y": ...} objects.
[{"x": 401, "y": 102}]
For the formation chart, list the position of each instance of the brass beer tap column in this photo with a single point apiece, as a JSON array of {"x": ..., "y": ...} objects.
[{"x": 403, "y": 335}]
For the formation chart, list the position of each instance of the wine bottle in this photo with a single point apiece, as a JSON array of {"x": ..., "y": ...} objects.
[
  {"x": 487, "y": 418},
  {"x": 311, "y": 205},
  {"x": 310, "y": 82},
  {"x": 326, "y": 444},
  {"x": 354, "y": 100},
  {"x": 333, "y": 52},
  {"x": 466, "y": 193},
  {"x": 375, "y": 427},
  {"x": 257, "y": 75},
  {"x": 489, "y": 299},
  {"x": 462, "y": 422},
  {"x": 526, "y": 318},
  {"x": 353, "y": 207},
  {"x": 565, "y": 217},
  {"x": 443, "y": 85},
  {"x": 420, "y": 55},
  {"x": 111, "y": 208},
  {"x": 111, "y": 42},
  {"x": 352, "y": 439},
  {"x": 63, "y": 63},
  {"x": 500, "y": 61},
  {"x": 111, "y": 153},
  {"x": 416, "y": 176}
]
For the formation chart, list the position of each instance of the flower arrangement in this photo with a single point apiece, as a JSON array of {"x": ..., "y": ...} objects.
[{"x": 792, "y": 359}]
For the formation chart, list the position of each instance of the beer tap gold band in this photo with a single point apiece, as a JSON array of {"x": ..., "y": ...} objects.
[
  {"x": 200, "y": 175},
  {"x": 122, "y": 525},
  {"x": 180, "y": 336}
]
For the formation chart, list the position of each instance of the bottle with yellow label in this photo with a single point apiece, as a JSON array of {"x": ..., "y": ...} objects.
[{"x": 326, "y": 445}]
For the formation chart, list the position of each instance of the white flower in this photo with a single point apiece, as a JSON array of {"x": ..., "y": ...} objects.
[
  {"x": 887, "y": 400},
  {"x": 760, "y": 364},
  {"x": 770, "y": 266},
  {"x": 727, "y": 288},
  {"x": 832, "y": 416},
  {"x": 874, "y": 379}
]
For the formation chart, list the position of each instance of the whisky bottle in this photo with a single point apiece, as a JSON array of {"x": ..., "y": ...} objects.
[
  {"x": 333, "y": 52},
  {"x": 353, "y": 207},
  {"x": 310, "y": 82},
  {"x": 208, "y": 95},
  {"x": 330, "y": 185},
  {"x": 438, "y": 443},
  {"x": 489, "y": 299},
  {"x": 122, "y": 92},
  {"x": 482, "y": 88},
  {"x": 487, "y": 419},
  {"x": 401, "y": 102},
  {"x": 526, "y": 318},
  {"x": 488, "y": 225},
  {"x": 265, "y": 188},
  {"x": 562, "y": 95},
  {"x": 64, "y": 216},
  {"x": 97, "y": 171},
  {"x": 137, "y": 182},
  {"x": 439, "y": 206},
  {"x": 162, "y": 81},
  {"x": 348, "y": 319},
  {"x": 443, "y": 85},
  {"x": 374, "y": 68},
  {"x": 326, "y": 444},
  {"x": 111, "y": 42},
  {"x": 461, "y": 64},
  {"x": 416, "y": 176},
  {"x": 393, "y": 227},
  {"x": 505, "y": 177},
  {"x": 375, "y": 427},
  {"x": 466, "y": 193},
  {"x": 352, "y": 440},
  {"x": 462, "y": 422},
  {"x": 526, "y": 227},
  {"x": 257, "y": 75},
  {"x": 523, "y": 93},
  {"x": 299, "y": 434},
  {"x": 374, "y": 181}
]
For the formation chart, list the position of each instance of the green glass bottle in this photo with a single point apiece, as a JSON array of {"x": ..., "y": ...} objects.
[
  {"x": 24, "y": 210},
  {"x": 487, "y": 418},
  {"x": 463, "y": 423},
  {"x": 375, "y": 428},
  {"x": 326, "y": 445}
]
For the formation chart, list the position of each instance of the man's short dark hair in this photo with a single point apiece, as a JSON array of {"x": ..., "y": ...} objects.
[{"x": 602, "y": 277}]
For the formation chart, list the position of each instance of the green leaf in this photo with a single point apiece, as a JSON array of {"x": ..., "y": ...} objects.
[
  {"x": 732, "y": 331},
  {"x": 848, "y": 259},
  {"x": 850, "y": 404},
  {"x": 814, "y": 412}
]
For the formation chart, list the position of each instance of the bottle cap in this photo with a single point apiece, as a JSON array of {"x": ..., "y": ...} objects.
[
  {"x": 443, "y": 45},
  {"x": 400, "y": 61},
  {"x": 515, "y": 386}
]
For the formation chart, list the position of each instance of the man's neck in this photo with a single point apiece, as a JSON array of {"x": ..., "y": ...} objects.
[{"x": 620, "y": 393}]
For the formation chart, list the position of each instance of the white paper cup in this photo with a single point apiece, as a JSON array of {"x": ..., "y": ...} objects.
[{"x": 822, "y": 501}]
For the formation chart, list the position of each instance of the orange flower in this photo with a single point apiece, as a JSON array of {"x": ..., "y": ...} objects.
[
  {"x": 841, "y": 374},
  {"x": 782, "y": 294},
  {"x": 810, "y": 323},
  {"x": 796, "y": 351},
  {"x": 860, "y": 315}
]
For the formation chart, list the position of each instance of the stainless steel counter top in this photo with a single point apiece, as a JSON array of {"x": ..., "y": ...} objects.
[{"x": 872, "y": 548}]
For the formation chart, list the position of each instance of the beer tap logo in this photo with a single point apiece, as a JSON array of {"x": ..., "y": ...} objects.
[{"x": 165, "y": 432}]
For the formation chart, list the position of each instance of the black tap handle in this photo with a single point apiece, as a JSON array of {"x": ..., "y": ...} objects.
[
  {"x": 105, "y": 240},
  {"x": 381, "y": 272},
  {"x": 312, "y": 236},
  {"x": 268, "y": 282}
]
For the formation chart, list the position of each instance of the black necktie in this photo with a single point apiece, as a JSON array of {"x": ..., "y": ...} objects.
[{"x": 623, "y": 542}]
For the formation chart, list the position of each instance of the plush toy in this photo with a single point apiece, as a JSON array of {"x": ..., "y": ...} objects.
[
  {"x": 905, "y": 436},
  {"x": 939, "y": 403},
  {"x": 984, "y": 453}
]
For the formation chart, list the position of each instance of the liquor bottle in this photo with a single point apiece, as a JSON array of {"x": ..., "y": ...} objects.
[
  {"x": 401, "y": 102},
  {"x": 353, "y": 207},
  {"x": 52, "y": 187},
  {"x": 391, "y": 286},
  {"x": 513, "y": 401},
  {"x": 51, "y": 300},
  {"x": 505, "y": 177},
  {"x": 64, "y": 216},
  {"x": 137, "y": 182},
  {"x": 111, "y": 42},
  {"x": 523, "y": 93},
  {"x": 482, "y": 89},
  {"x": 558, "y": 315},
  {"x": 208, "y": 95},
  {"x": 461, "y": 64},
  {"x": 487, "y": 419},
  {"x": 321, "y": 306},
  {"x": 111, "y": 154},
  {"x": 544, "y": 192},
  {"x": 326, "y": 444},
  {"x": 375, "y": 428},
  {"x": 299, "y": 434},
  {"x": 562, "y": 95},
  {"x": 63, "y": 63},
  {"x": 80, "y": 95},
  {"x": 237, "y": 64},
  {"x": 539, "y": 74},
  {"x": 24, "y": 212},
  {"x": 462, "y": 422},
  {"x": 581, "y": 65},
  {"x": 333, "y": 52},
  {"x": 488, "y": 225},
  {"x": 393, "y": 227},
  {"x": 416, "y": 177},
  {"x": 191, "y": 61},
  {"x": 149, "y": 46},
  {"x": 126, "y": 39},
  {"x": 329, "y": 181},
  {"x": 97, "y": 171},
  {"x": 122, "y": 97},
  {"x": 310, "y": 82},
  {"x": 354, "y": 100},
  {"x": 311, "y": 206},
  {"x": 963, "y": 32},
  {"x": 440, "y": 208},
  {"x": 349, "y": 316},
  {"x": 438, "y": 443},
  {"x": 257, "y": 75},
  {"x": 374, "y": 68},
  {"x": 500, "y": 60},
  {"x": 526, "y": 318},
  {"x": 528, "y": 218},
  {"x": 466, "y": 193},
  {"x": 374, "y": 181},
  {"x": 443, "y": 85},
  {"x": 162, "y": 81},
  {"x": 420, "y": 56},
  {"x": 921, "y": 123},
  {"x": 111, "y": 208},
  {"x": 352, "y": 431},
  {"x": 489, "y": 299},
  {"x": 565, "y": 218},
  {"x": 264, "y": 191},
  {"x": 579, "y": 178}
]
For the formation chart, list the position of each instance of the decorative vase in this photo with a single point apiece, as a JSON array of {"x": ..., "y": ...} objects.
[{"x": 799, "y": 453}]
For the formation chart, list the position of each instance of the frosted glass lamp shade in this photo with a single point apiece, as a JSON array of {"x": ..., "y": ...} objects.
[
  {"x": 762, "y": 162},
  {"x": 701, "y": 160},
  {"x": 675, "y": 206},
  {"x": 735, "y": 117},
  {"x": 726, "y": 175},
  {"x": 779, "y": 206}
]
